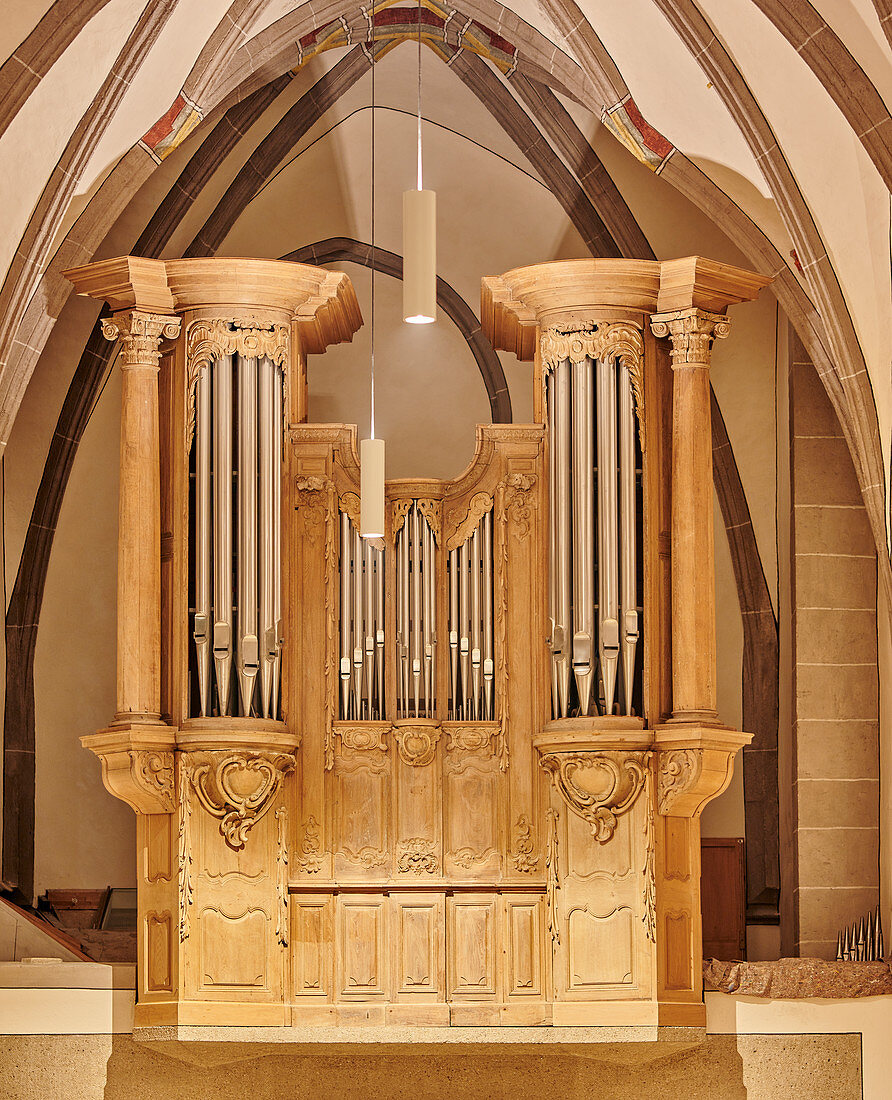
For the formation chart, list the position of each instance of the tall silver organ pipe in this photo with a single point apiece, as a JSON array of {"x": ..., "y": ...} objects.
[
  {"x": 471, "y": 631},
  {"x": 222, "y": 473},
  {"x": 628, "y": 534},
  {"x": 238, "y": 600},
  {"x": 608, "y": 548},
  {"x": 361, "y": 647},
  {"x": 593, "y": 508},
  {"x": 416, "y": 617},
  {"x": 201, "y": 624},
  {"x": 246, "y": 563}
]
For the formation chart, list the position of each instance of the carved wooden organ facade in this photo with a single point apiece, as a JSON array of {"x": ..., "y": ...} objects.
[{"x": 454, "y": 775}]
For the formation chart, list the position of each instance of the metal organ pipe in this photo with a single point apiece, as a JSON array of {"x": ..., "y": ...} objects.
[
  {"x": 361, "y": 646},
  {"x": 246, "y": 571},
  {"x": 628, "y": 534},
  {"x": 472, "y": 664},
  {"x": 608, "y": 559},
  {"x": 202, "y": 543},
  {"x": 252, "y": 629},
  {"x": 346, "y": 664},
  {"x": 583, "y": 424},
  {"x": 583, "y": 535},
  {"x": 223, "y": 528},
  {"x": 269, "y": 632},
  {"x": 564, "y": 625}
]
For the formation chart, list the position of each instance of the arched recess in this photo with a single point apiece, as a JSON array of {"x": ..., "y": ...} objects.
[
  {"x": 594, "y": 201},
  {"x": 232, "y": 65}
]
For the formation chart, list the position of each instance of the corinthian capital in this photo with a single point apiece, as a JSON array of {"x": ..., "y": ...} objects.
[
  {"x": 692, "y": 332},
  {"x": 140, "y": 335}
]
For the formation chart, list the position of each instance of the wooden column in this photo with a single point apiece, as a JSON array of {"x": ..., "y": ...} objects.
[
  {"x": 692, "y": 332},
  {"x": 139, "y": 522}
]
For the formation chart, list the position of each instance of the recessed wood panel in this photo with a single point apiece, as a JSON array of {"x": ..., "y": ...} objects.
[
  {"x": 312, "y": 946},
  {"x": 157, "y": 960},
  {"x": 362, "y": 947},
  {"x": 419, "y": 956},
  {"x": 524, "y": 953},
  {"x": 601, "y": 949},
  {"x": 472, "y": 946},
  {"x": 234, "y": 950}
]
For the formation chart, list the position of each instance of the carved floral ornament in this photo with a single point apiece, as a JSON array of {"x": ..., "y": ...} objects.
[
  {"x": 238, "y": 788},
  {"x": 140, "y": 335},
  {"x": 618, "y": 340},
  {"x": 598, "y": 786},
  {"x": 249, "y": 337}
]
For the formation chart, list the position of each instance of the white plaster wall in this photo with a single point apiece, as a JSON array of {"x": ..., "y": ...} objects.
[{"x": 36, "y": 137}]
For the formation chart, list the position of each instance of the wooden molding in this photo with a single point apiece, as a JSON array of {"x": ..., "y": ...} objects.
[
  {"x": 694, "y": 765},
  {"x": 137, "y": 764}
]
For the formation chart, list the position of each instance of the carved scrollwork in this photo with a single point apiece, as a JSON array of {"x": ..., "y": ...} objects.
[
  {"x": 371, "y": 737},
  {"x": 184, "y": 849},
  {"x": 153, "y": 771},
  {"x": 368, "y": 857},
  {"x": 479, "y": 505},
  {"x": 140, "y": 335},
  {"x": 522, "y": 853},
  {"x": 466, "y": 858},
  {"x": 309, "y": 855},
  {"x": 516, "y": 503},
  {"x": 282, "y": 876},
  {"x": 650, "y": 885},
  {"x": 417, "y": 742},
  {"x": 239, "y": 788},
  {"x": 552, "y": 877},
  {"x": 418, "y": 856},
  {"x": 432, "y": 511},
  {"x": 351, "y": 504},
  {"x": 143, "y": 777},
  {"x": 208, "y": 340},
  {"x": 465, "y": 741},
  {"x": 399, "y": 511},
  {"x": 619, "y": 340},
  {"x": 679, "y": 771},
  {"x": 598, "y": 786}
]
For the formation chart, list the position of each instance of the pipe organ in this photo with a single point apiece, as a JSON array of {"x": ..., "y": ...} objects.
[{"x": 453, "y": 775}]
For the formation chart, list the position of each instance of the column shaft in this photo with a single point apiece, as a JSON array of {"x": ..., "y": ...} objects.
[{"x": 139, "y": 515}]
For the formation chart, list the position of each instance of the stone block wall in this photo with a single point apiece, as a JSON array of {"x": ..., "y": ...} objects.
[{"x": 833, "y": 868}]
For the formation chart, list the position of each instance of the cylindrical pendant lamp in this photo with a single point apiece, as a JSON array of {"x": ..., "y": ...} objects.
[
  {"x": 419, "y": 257},
  {"x": 371, "y": 488}
]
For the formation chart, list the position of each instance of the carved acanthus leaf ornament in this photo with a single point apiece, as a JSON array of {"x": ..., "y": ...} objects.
[
  {"x": 679, "y": 771},
  {"x": 598, "y": 786},
  {"x": 522, "y": 856},
  {"x": 479, "y": 505},
  {"x": 238, "y": 788},
  {"x": 692, "y": 333},
  {"x": 619, "y": 340},
  {"x": 140, "y": 335},
  {"x": 211, "y": 339},
  {"x": 418, "y": 856},
  {"x": 282, "y": 876},
  {"x": 309, "y": 855}
]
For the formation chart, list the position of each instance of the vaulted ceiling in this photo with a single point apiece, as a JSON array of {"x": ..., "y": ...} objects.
[{"x": 755, "y": 130}]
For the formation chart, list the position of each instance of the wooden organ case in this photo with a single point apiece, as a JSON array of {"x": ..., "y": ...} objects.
[{"x": 451, "y": 776}]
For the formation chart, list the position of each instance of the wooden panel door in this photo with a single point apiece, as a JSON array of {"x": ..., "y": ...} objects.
[{"x": 723, "y": 897}]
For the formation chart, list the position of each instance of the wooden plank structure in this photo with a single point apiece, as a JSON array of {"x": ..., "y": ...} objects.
[{"x": 373, "y": 783}]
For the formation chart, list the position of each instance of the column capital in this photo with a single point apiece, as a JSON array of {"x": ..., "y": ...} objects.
[
  {"x": 140, "y": 334},
  {"x": 692, "y": 332}
]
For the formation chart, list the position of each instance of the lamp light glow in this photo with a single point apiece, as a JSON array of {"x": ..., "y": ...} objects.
[{"x": 371, "y": 488}]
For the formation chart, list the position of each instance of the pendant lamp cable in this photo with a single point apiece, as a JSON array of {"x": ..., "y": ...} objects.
[
  {"x": 420, "y": 181},
  {"x": 372, "y": 54}
]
